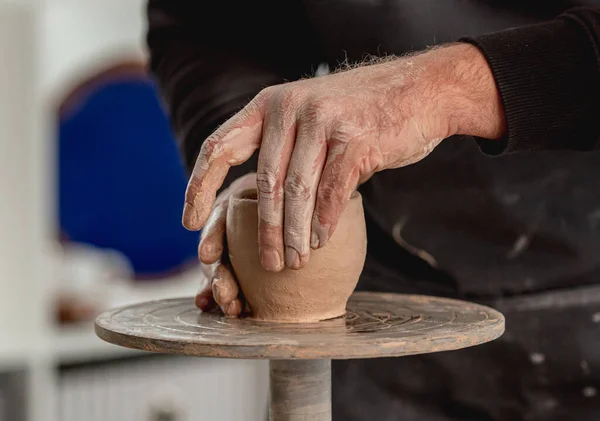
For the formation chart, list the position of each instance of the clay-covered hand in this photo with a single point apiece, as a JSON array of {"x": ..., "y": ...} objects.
[
  {"x": 320, "y": 137},
  {"x": 221, "y": 286}
]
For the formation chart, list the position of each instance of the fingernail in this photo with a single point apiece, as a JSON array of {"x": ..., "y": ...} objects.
[
  {"x": 270, "y": 259},
  {"x": 314, "y": 240},
  {"x": 292, "y": 258},
  {"x": 320, "y": 235}
]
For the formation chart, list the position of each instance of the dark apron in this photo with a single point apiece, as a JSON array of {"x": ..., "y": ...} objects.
[
  {"x": 546, "y": 367},
  {"x": 520, "y": 233}
]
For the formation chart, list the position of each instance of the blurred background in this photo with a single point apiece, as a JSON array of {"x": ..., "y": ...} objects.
[{"x": 82, "y": 130}]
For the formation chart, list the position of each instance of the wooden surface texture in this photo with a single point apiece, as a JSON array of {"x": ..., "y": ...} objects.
[{"x": 376, "y": 325}]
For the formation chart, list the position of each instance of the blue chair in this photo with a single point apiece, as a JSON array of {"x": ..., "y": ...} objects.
[{"x": 121, "y": 179}]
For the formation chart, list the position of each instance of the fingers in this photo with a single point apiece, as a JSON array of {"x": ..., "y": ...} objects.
[
  {"x": 232, "y": 144},
  {"x": 339, "y": 179},
  {"x": 204, "y": 299},
  {"x": 212, "y": 241},
  {"x": 211, "y": 246},
  {"x": 301, "y": 185},
  {"x": 222, "y": 291},
  {"x": 222, "y": 288},
  {"x": 225, "y": 291},
  {"x": 275, "y": 151}
]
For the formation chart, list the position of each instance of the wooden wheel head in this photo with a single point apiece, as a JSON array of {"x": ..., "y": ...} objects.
[{"x": 376, "y": 325}]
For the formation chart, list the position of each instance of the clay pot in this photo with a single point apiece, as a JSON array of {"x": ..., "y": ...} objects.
[{"x": 320, "y": 290}]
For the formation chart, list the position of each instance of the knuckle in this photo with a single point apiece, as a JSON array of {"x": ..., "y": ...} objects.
[
  {"x": 314, "y": 111},
  {"x": 293, "y": 238},
  {"x": 261, "y": 98},
  {"x": 266, "y": 182},
  {"x": 369, "y": 164},
  {"x": 265, "y": 94},
  {"x": 297, "y": 188},
  {"x": 297, "y": 241},
  {"x": 254, "y": 106},
  {"x": 283, "y": 104},
  {"x": 327, "y": 195},
  {"x": 290, "y": 97},
  {"x": 343, "y": 132},
  {"x": 260, "y": 101},
  {"x": 212, "y": 146}
]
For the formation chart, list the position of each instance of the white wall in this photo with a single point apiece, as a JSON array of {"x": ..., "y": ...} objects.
[
  {"x": 78, "y": 34},
  {"x": 45, "y": 46},
  {"x": 22, "y": 222}
]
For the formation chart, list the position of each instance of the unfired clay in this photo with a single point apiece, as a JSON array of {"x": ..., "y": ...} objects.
[{"x": 320, "y": 290}]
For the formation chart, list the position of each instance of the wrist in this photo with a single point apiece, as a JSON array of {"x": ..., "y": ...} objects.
[{"x": 469, "y": 96}]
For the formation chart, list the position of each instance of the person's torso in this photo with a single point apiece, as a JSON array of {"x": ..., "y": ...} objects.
[
  {"x": 475, "y": 226},
  {"x": 504, "y": 225}
]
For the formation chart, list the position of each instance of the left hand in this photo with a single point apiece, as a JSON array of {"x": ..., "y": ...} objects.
[
  {"x": 220, "y": 286},
  {"x": 319, "y": 138}
]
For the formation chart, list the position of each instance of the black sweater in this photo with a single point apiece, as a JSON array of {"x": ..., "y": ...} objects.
[
  {"x": 548, "y": 76},
  {"x": 487, "y": 225}
]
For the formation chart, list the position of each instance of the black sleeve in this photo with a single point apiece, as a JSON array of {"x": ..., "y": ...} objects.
[
  {"x": 209, "y": 61},
  {"x": 548, "y": 76}
]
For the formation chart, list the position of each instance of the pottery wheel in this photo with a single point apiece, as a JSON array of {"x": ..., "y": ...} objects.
[{"x": 376, "y": 325}]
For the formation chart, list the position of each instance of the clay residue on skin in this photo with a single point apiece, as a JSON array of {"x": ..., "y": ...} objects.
[
  {"x": 340, "y": 178},
  {"x": 223, "y": 291},
  {"x": 320, "y": 231},
  {"x": 301, "y": 186},
  {"x": 270, "y": 255},
  {"x": 211, "y": 245},
  {"x": 320, "y": 290},
  {"x": 273, "y": 159},
  {"x": 233, "y": 143},
  {"x": 270, "y": 213}
]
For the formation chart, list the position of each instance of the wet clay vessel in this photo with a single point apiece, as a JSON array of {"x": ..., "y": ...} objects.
[{"x": 320, "y": 290}]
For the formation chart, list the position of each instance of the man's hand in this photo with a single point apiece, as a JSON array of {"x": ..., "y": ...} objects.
[
  {"x": 319, "y": 138},
  {"x": 222, "y": 287}
]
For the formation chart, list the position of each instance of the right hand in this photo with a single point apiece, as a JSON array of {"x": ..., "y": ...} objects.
[
  {"x": 221, "y": 286},
  {"x": 319, "y": 138}
]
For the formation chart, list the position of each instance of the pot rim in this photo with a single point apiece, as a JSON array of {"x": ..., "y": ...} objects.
[{"x": 251, "y": 196}]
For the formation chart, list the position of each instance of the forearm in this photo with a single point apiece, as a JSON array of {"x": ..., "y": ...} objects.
[{"x": 469, "y": 94}]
